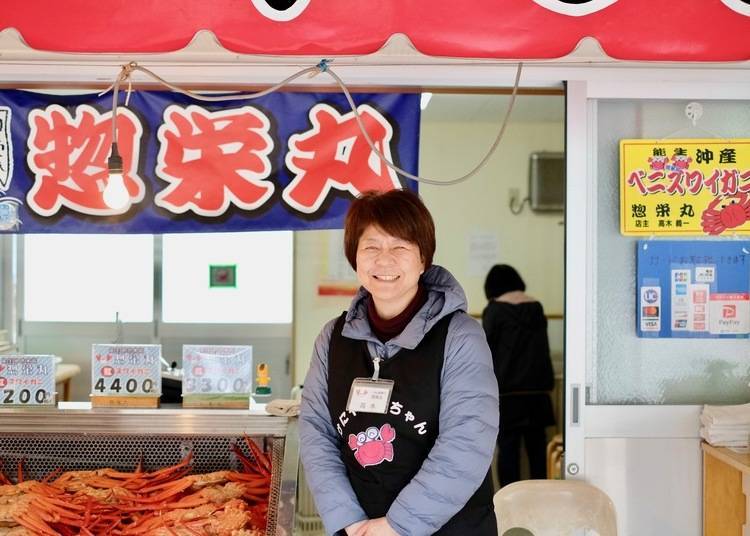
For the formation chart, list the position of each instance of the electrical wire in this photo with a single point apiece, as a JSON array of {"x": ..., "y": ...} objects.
[
  {"x": 419, "y": 178},
  {"x": 322, "y": 67},
  {"x": 515, "y": 207}
]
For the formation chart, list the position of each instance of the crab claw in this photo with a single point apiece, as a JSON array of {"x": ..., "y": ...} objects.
[
  {"x": 387, "y": 433},
  {"x": 353, "y": 442}
]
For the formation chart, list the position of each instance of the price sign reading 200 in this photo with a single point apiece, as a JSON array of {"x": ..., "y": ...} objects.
[{"x": 27, "y": 380}]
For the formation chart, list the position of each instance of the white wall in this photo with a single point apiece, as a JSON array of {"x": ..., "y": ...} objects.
[
  {"x": 533, "y": 243},
  {"x": 311, "y": 311}
]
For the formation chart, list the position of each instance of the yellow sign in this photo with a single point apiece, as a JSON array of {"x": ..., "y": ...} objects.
[{"x": 685, "y": 187}]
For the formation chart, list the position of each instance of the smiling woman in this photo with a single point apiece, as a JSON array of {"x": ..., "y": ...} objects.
[{"x": 400, "y": 389}]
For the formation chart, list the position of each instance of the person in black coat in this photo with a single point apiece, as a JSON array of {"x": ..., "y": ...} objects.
[{"x": 516, "y": 329}]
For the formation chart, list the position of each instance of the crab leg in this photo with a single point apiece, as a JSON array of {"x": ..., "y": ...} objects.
[
  {"x": 260, "y": 457},
  {"x": 4, "y": 480},
  {"x": 35, "y": 524},
  {"x": 191, "y": 531},
  {"x": 20, "y": 471},
  {"x": 173, "y": 489},
  {"x": 52, "y": 475}
]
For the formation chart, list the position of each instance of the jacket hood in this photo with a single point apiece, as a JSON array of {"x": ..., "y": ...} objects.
[
  {"x": 515, "y": 297},
  {"x": 524, "y": 313},
  {"x": 444, "y": 296}
]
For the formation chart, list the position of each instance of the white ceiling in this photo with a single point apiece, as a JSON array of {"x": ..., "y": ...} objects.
[{"x": 492, "y": 108}]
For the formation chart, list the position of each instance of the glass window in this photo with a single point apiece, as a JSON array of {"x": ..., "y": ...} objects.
[
  {"x": 228, "y": 278},
  {"x": 631, "y": 370},
  {"x": 88, "y": 278}
]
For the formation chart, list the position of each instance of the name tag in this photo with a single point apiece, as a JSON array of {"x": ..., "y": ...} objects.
[{"x": 369, "y": 396}]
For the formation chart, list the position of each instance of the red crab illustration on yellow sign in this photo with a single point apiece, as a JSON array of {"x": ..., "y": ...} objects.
[
  {"x": 725, "y": 213},
  {"x": 373, "y": 446}
]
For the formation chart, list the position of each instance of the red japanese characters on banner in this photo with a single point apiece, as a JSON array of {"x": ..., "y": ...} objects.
[
  {"x": 68, "y": 157},
  {"x": 214, "y": 159},
  {"x": 335, "y": 154},
  {"x": 211, "y": 159},
  {"x": 283, "y": 161}
]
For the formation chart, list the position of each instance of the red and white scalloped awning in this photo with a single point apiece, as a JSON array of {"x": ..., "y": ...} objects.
[{"x": 662, "y": 30}]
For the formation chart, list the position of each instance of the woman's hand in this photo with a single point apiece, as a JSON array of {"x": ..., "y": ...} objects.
[
  {"x": 352, "y": 529},
  {"x": 375, "y": 527}
]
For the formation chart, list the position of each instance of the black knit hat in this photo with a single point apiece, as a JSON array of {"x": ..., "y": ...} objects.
[{"x": 502, "y": 278}]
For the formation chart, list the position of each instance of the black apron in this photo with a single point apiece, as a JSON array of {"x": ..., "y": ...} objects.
[{"x": 383, "y": 452}]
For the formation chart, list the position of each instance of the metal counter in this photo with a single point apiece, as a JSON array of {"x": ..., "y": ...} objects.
[{"x": 77, "y": 439}]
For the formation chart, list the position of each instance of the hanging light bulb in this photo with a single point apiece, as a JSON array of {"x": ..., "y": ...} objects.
[{"x": 115, "y": 193}]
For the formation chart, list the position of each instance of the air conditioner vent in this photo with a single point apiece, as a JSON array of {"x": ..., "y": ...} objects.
[{"x": 547, "y": 181}]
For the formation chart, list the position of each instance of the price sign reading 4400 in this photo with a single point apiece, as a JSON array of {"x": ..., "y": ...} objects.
[
  {"x": 125, "y": 370},
  {"x": 27, "y": 380},
  {"x": 217, "y": 370}
]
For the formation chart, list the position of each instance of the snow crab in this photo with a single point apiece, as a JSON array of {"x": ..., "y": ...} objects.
[
  {"x": 167, "y": 501},
  {"x": 725, "y": 213}
]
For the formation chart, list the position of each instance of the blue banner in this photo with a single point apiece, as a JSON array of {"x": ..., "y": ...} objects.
[
  {"x": 693, "y": 288},
  {"x": 283, "y": 161}
]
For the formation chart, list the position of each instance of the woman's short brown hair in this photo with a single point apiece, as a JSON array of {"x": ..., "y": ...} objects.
[{"x": 399, "y": 213}]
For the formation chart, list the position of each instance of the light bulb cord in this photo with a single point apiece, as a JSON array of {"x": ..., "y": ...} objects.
[{"x": 322, "y": 67}]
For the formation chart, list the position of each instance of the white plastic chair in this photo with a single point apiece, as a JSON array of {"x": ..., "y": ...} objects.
[{"x": 554, "y": 508}]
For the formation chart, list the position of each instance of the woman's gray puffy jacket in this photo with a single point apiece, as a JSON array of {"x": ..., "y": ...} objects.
[{"x": 461, "y": 456}]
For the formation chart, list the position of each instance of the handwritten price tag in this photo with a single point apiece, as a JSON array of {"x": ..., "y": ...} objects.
[
  {"x": 125, "y": 370},
  {"x": 217, "y": 370},
  {"x": 27, "y": 380}
]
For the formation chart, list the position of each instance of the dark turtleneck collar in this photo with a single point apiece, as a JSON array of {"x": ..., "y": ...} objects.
[{"x": 385, "y": 330}]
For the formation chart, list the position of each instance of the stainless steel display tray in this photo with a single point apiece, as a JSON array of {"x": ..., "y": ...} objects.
[{"x": 46, "y": 438}]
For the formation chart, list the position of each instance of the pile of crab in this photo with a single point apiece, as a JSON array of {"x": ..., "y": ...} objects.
[{"x": 166, "y": 502}]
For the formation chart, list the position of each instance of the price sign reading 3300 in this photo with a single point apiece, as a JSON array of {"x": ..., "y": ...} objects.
[{"x": 217, "y": 370}]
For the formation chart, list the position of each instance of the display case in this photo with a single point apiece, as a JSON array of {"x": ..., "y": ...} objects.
[{"x": 45, "y": 440}]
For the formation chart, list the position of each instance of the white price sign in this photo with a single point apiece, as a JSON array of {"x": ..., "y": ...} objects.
[
  {"x": 27, "y": 380},
  {"x": 217, "y": 370},
  {"x": 125, "y": 370}
]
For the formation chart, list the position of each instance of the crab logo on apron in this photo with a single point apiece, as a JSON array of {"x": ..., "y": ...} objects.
[{"x": 373, "y": 446}]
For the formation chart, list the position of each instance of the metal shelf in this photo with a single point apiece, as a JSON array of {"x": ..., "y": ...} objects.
[{"x": 140, "y": 421}]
